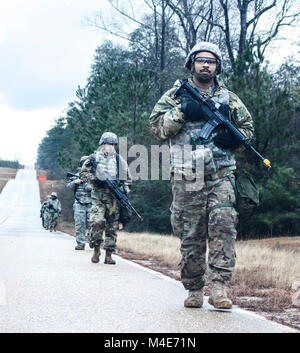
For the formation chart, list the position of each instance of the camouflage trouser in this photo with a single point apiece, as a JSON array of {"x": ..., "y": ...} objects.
[
  {"x": 198, "y": 216},
  {"x": 104, "y": 217},
  {"x": 46, "y": 219},
  {"x": 53, "y": 220},
  {"x": 82, "y": 221}
]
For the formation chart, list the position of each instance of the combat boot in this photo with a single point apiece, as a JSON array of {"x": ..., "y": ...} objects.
[
  {"x": 96, "y": 255},
  {"x": 194, "y": 299},
  {"x": 218, "y": 297},
  {"x": 79, "y": 247},
  {"x": 108, "y": 259}
]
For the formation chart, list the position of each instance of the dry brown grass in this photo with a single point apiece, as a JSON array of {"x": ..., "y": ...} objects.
[
  {"x": 6, "y": 174},
  {"x": 270, "y": 263},
  {"x": 9, "y": 173},
  {"x": 262, "y": 279},
  {"x": 164, "y": 249},
  {"x": 260, "y": 263}
]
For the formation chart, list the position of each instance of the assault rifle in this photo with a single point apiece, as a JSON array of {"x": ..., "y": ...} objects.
[
  {"x": 216, "y": 118},
  {"x": 71, "y": 175},
  {"x": 120, "y": 196},
  {"x": 52, "y": 208}
]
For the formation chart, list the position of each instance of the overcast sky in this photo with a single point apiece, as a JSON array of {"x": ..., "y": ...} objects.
[{"x": 46, "y": 50}]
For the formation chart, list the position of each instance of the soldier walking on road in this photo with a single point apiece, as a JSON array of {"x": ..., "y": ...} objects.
[
  {"x": 82, "y": 206},
  {"x": 44, "y": 214},
  {"x": 206, "y": 213},
  {"x": 105, "y": 211},
  {"x": 54, "y": 209}
]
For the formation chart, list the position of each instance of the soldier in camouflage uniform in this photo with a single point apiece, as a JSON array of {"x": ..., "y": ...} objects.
[
  {"x": 44, "y": 214},
  {"x": 82, "y": 206},
  {"x": 205, "y": 214},
  {"x": 105, "y": 212},
  {"x": 54, "y": 209}
]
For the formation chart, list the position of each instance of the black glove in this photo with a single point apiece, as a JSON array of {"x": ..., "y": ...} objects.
[
  {"x": 226, "y": 140},
  {"x": 192, "y": 110}
]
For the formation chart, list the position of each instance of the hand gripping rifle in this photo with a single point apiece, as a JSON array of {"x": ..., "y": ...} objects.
[
  {"x": 72, "y": 175},
  {"x": 216, "y": 118},
  {"x": 120, "y": 196}
]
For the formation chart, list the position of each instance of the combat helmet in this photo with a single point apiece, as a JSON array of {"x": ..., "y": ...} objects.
[
  {"x": 54, "y": 194},
  {"x": 108, "y": 137},
  {"x": 204, "y": 46},
  {"x": 82, "y": 160}
]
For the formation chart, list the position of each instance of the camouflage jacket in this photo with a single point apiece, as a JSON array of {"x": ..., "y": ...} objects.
[
  {"x": 44, "y": 207},
  {"x": 54, "y": 206},
  {"x": 82, "y": 191},
  {"x": 108, "y": 163},
  {"x": 168, "y": 122}
]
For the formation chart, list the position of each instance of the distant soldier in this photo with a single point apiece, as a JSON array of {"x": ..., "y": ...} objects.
[
  {"x": 44, "y": 213},
  {"x": 105, "y": 211},
  {"x": 54, "y": 209},
  {"x": 82, "y": 206}
]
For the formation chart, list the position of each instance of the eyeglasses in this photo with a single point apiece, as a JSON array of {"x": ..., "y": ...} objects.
[{"x": 202, "y": 60}]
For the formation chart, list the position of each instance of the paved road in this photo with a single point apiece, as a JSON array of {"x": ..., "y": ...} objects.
[{"x": 47, "y": 286}]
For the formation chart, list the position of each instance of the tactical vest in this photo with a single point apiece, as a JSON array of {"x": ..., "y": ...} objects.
[
  {"x": 53, "y": 206},
  {"x": 187, "y": 150},
  {"x": 107, "y": 163}
]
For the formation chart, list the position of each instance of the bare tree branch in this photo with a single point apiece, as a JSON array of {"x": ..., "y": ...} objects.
[
  {"x": 234, "y": 24},
  {"x": 260, "y": 13},
  {"x": 125, "y": 14}
]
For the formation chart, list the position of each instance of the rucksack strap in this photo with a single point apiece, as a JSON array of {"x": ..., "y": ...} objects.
[
  {"x": 220, "y": 205},
  {"x": 119, "y": 168}
]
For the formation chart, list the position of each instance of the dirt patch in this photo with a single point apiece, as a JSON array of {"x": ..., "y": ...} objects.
[
  {"x": 272, "y": 303},
  {"x": 66, "y": 227}
]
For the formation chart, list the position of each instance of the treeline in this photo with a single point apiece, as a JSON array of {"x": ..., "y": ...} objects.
[
  {"x": 10, "y": 164},
  {"x": 125, "y": 83}
]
